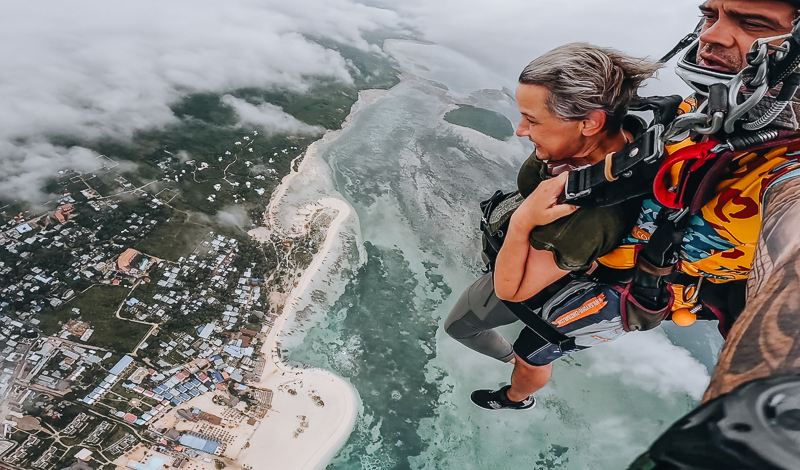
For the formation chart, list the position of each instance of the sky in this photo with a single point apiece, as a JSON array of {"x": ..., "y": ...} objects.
[{"x": 95, "y": 69}]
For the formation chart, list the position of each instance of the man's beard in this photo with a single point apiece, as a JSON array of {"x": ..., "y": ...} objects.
[{"x": 727, "y": 58}]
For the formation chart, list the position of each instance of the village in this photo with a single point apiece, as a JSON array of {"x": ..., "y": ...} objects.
[{"x": 113, "y": 357}]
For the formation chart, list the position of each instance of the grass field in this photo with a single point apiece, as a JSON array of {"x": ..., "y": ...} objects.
[
  {"x": 482, "y": 120},
  {"x": 97, "y": 306},
  {"x": 175, "y": 238}
]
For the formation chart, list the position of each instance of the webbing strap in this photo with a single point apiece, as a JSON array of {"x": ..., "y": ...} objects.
[
  {"x": 656, "y": 262},
  {"x": 541, "y": 327},
  {"x": 637, "y": 163}
]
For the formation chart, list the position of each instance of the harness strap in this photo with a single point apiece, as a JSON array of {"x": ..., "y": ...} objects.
[
  {"x": 541, "y": 327},
  {"x": 588, "y": 186}
]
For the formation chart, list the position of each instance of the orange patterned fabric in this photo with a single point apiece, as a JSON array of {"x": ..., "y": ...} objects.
[{"x": 720, "y": 241}]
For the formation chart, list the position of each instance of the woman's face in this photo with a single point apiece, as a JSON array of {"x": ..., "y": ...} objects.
[{"x": 555, "y": 139}]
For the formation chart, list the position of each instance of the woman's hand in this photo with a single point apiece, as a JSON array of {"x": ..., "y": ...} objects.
[{"x": 542, "y": 207}]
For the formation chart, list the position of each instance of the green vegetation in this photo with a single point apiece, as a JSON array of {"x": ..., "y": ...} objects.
[
  {"x": 482, "y": 120},
  {"x": 178, "y": 236},
  {"x": 97, "y": 307}
]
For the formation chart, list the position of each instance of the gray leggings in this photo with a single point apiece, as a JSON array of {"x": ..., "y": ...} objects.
[{"x": 474, "y": 316}]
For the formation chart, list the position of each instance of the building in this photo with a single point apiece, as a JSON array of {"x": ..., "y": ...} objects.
[
  {"x": 125, "y": 259},
  {"x": 84, "y": 454},
  {"x": 63, "y": 212},
  {"x": 121, "y": 365},
  {"x": 198, "y": 443}
]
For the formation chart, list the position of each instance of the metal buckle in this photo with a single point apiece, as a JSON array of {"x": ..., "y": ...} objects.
[
  {"x": 737, "y": 110},
  {"x": 657, "y": 151},
  {"x": 569, "y": 195},
  {"x": 572, "y": 196},
  {"x": 581, "y": 183}
]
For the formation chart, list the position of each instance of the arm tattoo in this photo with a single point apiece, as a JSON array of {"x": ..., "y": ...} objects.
[{"x": 765, "y": 340}]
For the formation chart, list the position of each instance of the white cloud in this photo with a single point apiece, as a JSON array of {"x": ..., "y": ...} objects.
[
  {"x": 25, "y": 167},
  {"x": 95, "y": 69},
  {"x": 649, "y": 361},
  {"x": 233, "y": 216},
  {"x": 500, "y": 37},
  {"x": 272, "y": 119}
]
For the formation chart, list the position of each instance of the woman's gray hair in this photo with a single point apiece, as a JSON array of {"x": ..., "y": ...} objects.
[{"x": 581, "y": 78}]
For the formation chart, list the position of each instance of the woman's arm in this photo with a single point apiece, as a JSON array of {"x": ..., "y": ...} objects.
[{"x": 520, "y": 271}]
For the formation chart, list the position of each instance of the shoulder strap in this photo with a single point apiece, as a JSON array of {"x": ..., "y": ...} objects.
[{"x": 636, "y": 163}]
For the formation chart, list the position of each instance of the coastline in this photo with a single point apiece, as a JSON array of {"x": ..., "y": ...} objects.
[{"x": 322, "y": 430}]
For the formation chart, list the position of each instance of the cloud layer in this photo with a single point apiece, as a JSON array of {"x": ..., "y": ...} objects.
[
  {"x": 649, "y": 360},
  {"x": 271, "y": 118},
  {"x": 501, "y": 37},
  {"x": 94, "y": 69}
]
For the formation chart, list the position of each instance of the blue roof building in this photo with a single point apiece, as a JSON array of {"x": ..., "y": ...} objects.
[
  {"x": 121, "y": 365},
  {"x": 198, "y": 443}
]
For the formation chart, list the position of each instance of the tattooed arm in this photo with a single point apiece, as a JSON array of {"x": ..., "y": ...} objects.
[{"x": 765, "y": 340}]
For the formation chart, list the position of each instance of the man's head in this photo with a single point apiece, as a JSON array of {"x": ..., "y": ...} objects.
[
  {"x": 731, "y": 27},
  {"x": 576, "y": 94}
]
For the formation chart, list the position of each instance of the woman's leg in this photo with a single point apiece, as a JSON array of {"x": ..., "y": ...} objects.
[{"x": 474, "y": 316}]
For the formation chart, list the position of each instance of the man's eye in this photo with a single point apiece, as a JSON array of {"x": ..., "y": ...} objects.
[
  {"x": 752, "y": 25},
  {"x": 709, "y": 17}
]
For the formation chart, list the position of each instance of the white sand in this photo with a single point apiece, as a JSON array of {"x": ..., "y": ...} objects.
[
  {"x": 298, "y": 433},
  {"x": 261, "y": 234}
]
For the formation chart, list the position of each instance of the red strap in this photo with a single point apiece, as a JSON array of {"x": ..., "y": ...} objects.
[{"x": 694, "y": 156}]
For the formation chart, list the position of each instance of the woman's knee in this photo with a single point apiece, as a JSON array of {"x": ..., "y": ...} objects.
[{"x": 458, "y": 328}]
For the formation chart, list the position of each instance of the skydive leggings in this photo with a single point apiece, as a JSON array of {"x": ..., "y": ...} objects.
[{"x": 474, "y": 317}]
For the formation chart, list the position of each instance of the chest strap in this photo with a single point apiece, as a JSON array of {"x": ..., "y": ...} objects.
[{"x": 636, "y": 163}]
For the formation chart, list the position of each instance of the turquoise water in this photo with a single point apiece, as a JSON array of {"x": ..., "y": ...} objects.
[
  {"x": 415, "y": 188},
  {"x": 153, "y": 463}
]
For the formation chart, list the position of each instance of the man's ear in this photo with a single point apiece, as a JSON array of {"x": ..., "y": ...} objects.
[{"x": 593, "y": 123}]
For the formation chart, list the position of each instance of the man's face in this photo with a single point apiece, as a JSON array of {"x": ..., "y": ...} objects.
[
  {"x": 555, "y": 139},
  {"x": 731, "y": 27}
]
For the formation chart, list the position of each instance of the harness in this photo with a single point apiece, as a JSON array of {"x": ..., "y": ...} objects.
[{"x": 643, "y": 168}]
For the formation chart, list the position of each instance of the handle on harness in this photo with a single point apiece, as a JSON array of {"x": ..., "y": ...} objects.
[
  {"x": 648, "y": 299},
  {"x": 637, "y": 162},
  {"x": 675, "y": 194}
]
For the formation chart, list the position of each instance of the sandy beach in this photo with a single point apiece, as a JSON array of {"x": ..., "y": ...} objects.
[{"x": 313, "y": 410}]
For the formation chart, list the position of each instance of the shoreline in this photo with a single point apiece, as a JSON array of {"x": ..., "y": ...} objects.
[{"x": 336, "y": 393}]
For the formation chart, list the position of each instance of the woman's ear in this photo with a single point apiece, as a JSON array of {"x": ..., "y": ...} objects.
[{"x": 593, "y": 123}]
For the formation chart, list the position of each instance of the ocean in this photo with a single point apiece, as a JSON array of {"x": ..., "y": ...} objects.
[{"x": 414, "y": 182}]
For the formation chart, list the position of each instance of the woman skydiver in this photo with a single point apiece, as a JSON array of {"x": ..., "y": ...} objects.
[{"x": 574, "y": 102}]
